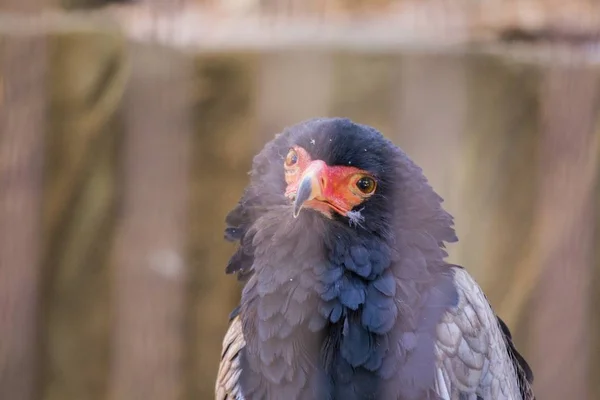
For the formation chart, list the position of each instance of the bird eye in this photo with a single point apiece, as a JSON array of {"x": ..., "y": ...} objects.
[
  {"x": 366, "y": 185},
  {"x": 291, "y": 159}
]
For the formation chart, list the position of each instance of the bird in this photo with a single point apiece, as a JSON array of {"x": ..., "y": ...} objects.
[{"x": 346, "y": 292}]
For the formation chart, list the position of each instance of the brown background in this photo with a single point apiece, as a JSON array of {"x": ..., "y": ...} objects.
[{"x": 119, "y": 161}]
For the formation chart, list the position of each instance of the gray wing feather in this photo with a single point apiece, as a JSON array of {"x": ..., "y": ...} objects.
[
  {"x": 227, "y": 385},
  {"x": 473, "y": 359}
]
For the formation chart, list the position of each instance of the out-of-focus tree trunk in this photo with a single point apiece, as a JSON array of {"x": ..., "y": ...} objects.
[
  {"x": 568, "y": 168},
  {"x": 292, "y": 86},
  {"x": 362, "y": 88},
  {"x": 22, "y": 128},
  {"x": 500, "y": 183},
  {"x": 87, "y": 79},
  {"x": 595, "y": 316},
  {"x": 223, "y": 146},
  {"x": 150, "y": 267},
  {"x": 431, "y": 106}
]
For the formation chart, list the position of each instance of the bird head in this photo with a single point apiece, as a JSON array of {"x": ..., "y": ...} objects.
[
  {"x": 337, "y": 178},
  {"x": 331, "y": 168},
  {"x": 325, "y": 188},
  {"x": 340, "y": 176}
]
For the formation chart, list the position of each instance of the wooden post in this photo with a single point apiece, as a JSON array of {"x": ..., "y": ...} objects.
[
  {"x": 80, "y": 210},
  {"x": 223, "y": 146},
  {"x": 500, "y": 140},
  {"x": 363, "y": 89},
  {"x": 595, "y": 317},
  {"x": 22, "y": 128},
  {"x": 430, "y": 110},
  {"x": 568, "y": 173},
  {"x": 150, "y": 270},
  {"x": 292, "y": 86}
]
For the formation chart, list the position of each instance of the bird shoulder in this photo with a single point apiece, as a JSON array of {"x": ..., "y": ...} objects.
[
  {"x": 227, "y": 384},
  {"x": 475, "y": 355}
]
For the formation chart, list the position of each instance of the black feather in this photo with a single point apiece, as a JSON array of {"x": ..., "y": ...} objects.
[
  {"x": 524, "y": 372},
  {"x": 332, "y": 309}
]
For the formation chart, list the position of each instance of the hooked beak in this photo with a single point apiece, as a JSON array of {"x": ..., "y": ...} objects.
[{"x": 310, "y": 187}]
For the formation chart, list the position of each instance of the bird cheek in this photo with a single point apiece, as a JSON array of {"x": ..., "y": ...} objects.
[
  {"x": 344, "y": 199},
  {"x": 291, "y": 189},
  {"x": 351, "y": 200},
  {"x": 291, "y": 176}
]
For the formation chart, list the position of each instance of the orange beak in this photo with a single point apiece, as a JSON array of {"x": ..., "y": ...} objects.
[
  {"x": 310, "y": 186},
  {"x": 319, "y": 189}
]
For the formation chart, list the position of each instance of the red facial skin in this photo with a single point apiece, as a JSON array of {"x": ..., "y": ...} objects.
[{"x": 334, "y": 188}]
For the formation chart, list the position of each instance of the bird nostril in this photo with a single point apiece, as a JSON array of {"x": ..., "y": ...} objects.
[{"x": 323, "y": 182}]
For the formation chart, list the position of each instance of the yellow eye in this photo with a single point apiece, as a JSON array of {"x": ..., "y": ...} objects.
[
  {"x": 366, "y": 184},
  {"x": 291, "y": 159}
]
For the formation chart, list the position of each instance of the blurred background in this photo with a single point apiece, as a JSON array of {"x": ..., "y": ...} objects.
[{"x": 127, "y": 130}]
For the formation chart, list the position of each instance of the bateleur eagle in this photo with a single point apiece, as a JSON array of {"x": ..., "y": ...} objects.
[{"x": 346, "y": 292}]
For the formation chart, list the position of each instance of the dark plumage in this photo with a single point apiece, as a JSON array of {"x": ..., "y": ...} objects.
[{"x": 355, "y": 303}]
